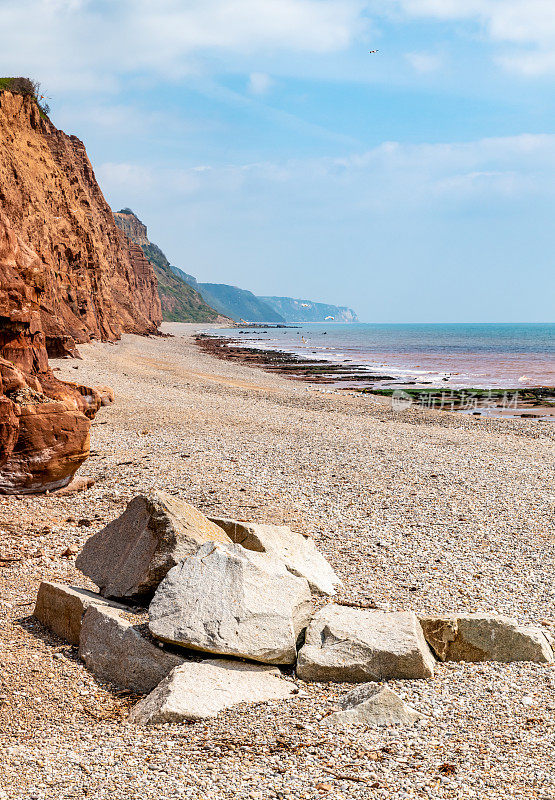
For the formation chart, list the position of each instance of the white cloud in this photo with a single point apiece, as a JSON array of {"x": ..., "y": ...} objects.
[
  {"x": 377, "y": 229},
  {"x": 384, "y": 179},
  {"x": 133, "y": 179},
  {"x": 84, "y": 43},
  {"x": 259, "y": 83},
  {"x": 313, "y": 25},
  {"x": 523, "y": 23},
  {"x": 89, "y": 44},
  {"x": 424, "y": 62},
  {"x": 484, "y": 171},
  {"x": 531, "y": 64},
  {"x": 137, "y": 181},
  {"x": 444, "y": 9},
  {"x": 118, "y": 120}
]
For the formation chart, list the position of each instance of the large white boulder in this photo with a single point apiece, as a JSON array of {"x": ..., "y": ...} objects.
[
  {"x": 60, "y": 608},
  {"x": 115, "y": 649},
  {"x": 131, "y": 555},
  {"x": 345, "y": 644},
  {"x": 298, "y": 552},
  {"x": 200, "y": 690},
  {"x": 231, "y": 601},
  {"x": 484, "y": 637}
]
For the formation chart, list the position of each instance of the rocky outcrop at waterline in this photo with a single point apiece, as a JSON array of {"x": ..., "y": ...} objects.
[{"x": 315, "y": 370}]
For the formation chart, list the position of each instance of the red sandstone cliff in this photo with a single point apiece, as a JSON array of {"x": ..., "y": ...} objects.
[
  {"x": 44, "y": 422},
  {"x": 132, "y": 226},
  {"x": 180, "y": 301},
  {"x": 89, "y": 284},
  {"x": 67, "y": 275}
]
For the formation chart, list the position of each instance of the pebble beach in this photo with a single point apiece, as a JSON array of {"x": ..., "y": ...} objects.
[{"x": 416, "y": 510}]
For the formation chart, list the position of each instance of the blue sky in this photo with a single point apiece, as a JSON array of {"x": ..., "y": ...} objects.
[{"x": 264, "y": 146}]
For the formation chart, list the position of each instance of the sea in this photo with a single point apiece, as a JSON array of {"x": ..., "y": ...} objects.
[{"x": 476, "y": 355}]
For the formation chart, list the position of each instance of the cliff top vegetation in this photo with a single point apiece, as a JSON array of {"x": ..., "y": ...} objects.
[{"x": 25, "y": 86}]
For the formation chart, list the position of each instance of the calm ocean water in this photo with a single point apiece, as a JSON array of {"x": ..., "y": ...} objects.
[{"x": 477, "y": 355}]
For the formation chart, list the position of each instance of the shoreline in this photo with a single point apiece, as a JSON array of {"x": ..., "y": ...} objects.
[
  {"x": 527, "y": 402},
  {"x": 461, "y": 356}
]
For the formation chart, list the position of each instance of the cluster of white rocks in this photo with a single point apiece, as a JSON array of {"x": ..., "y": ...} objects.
[{"x": 220, "y": 590}]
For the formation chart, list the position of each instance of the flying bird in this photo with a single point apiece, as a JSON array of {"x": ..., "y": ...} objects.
[{"x": 374, "y": 51}]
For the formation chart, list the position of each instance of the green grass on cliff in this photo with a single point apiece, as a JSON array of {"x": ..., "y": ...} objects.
[
  {"x": 26, "y": 86},
  {"x": 180, "y": 302}
]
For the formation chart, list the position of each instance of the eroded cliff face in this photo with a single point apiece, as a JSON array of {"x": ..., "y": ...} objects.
[
  {"x": 88, "y": 284},
  {"x": 132, "y": 226},
  {"x": 44, "y": 422},
  {"x": 67, "y": 275},
  {"x": 22, "y": 339}
]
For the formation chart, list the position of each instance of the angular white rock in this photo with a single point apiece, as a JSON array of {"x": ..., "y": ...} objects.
[
  {"x": 231, "y": 601},
  {"x": 298, "y": 552},
  {"x": 345, "y": 644},
  {"x": 200, "y": 690},
  {"x": 115, "y": 650},
  {"x": 485, "y": 637},
  {"x": 60, "y": 608},
  {"x": 131, "y": 555},
  {"x": 373, "y": 705}
]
